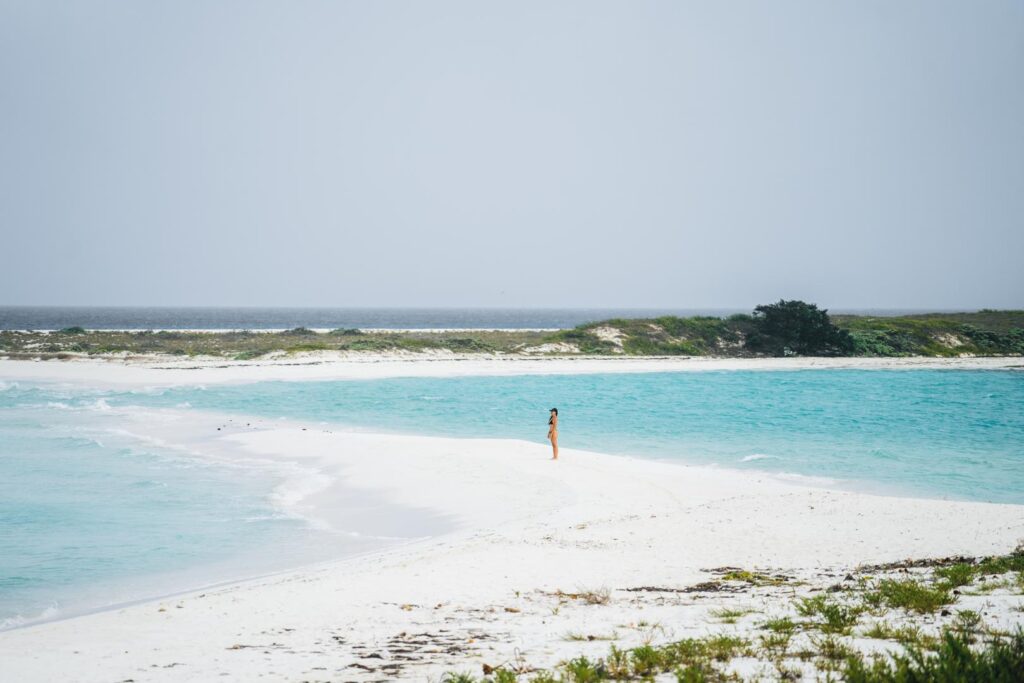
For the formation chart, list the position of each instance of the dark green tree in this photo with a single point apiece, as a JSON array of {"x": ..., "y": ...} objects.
[{"x": 796, "y": 327}]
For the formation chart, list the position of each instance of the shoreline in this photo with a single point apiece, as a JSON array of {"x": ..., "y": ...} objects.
[
  {"x": 162, "y": 371},
  {"x": 229, "y": 454},
  {"x": 192, "y": 428},
  {"x": 526, "y": 529}
]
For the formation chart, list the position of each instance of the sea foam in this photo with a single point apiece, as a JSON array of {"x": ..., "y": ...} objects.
[{"x": 759, "y": 456}]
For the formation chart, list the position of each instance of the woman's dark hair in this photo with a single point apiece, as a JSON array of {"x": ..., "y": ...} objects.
[
  {"x": 554, "y": 410},
  {"x": 551, "y": 419}
]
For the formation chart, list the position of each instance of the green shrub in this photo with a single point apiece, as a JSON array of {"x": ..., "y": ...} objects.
[
  {"x": 799, "y": 328},
  {"x": 1000, "y": 661},
  {"x": 309, "y": 346},
  {"x": 582, "y": 670},
  {"x": 646, "y": 660},
  {"x": 370, "y": 345},
  {"x": 992, "y": 341},
  {"x": 693, "y": 674},
  {"x": 465, "y": 344},
  {"x": 617, "y": 663}
]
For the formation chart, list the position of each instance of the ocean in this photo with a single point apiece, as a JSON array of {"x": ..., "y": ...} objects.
[
  {"x": 214, "y": 318},
  {"x": 92, "y": 515}
]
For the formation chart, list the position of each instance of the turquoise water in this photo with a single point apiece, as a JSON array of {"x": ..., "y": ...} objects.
[
  {"x": 85, "y": 511},
  {"x": 91, "y": 516},
  {"x": 954, "y": 434}
]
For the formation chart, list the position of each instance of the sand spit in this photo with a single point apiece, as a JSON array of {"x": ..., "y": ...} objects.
[{"x": 549, "y": 560}]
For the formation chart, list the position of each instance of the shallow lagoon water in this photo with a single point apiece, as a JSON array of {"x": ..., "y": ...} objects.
[
  {"x": 936, "y": 433},
  {"x": 93, "y": 516},
  {"x": 90, "y": 516}
]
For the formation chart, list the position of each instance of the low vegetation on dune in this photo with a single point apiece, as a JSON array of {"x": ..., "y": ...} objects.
[
  {"x": 980, "y": 334},
  {"x": 954, "y": 658},
  {"x": 905, "y": 622},
  {"x": 795, "y": 328},
  {"x": 250, "y": 345},
  {"x": 785, "y": 328}
]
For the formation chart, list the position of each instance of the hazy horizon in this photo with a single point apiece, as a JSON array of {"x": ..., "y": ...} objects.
[
  {"x": 576, "y": 155},
  {"x": 300, "y": 307},
  {"x": 42, "y": 318}
]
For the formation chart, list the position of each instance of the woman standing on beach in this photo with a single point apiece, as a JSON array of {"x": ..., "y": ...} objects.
[{"x": 553, "y": 432}]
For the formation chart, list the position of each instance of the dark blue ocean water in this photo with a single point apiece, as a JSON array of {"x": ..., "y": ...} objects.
[
  {"x": 140, "y": 318},
  {"x": 103, "y": 318}
]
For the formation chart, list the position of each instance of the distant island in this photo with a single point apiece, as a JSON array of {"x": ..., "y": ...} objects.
[{"x": 785, "y": 328}]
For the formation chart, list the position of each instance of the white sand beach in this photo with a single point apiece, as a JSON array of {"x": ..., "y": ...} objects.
[
  {"x": 116, "y": 371},
  {"x": 539, "y": 565}
]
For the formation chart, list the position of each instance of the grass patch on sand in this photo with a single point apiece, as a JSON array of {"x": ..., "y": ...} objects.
[
  {"x": 775, "y": 645},
  {"x": 780, "y": 625},
  {"x": 913, "y": 595},
  {"x": 728, "y": 615},
  {"x": 828, "y": 615},
  {"x": 908, "y": 636},
  {"x": 696, "y": 660},
  {"x": 829, "y": 649},
  {"x": 1012, "y": 584},
  {"x": 956, "y": 575},
  {"x": 1001, "y": 564},
  {"x": 966, "y": 573}
]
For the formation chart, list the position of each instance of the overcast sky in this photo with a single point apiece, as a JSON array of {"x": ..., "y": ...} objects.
[{"x": 660, "y": 154}]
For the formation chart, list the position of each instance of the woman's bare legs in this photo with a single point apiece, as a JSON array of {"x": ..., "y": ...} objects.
[{"x": 554, "y": 445}]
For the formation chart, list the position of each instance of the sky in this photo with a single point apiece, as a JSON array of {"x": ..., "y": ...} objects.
[{"x": 861, "y": 154}]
